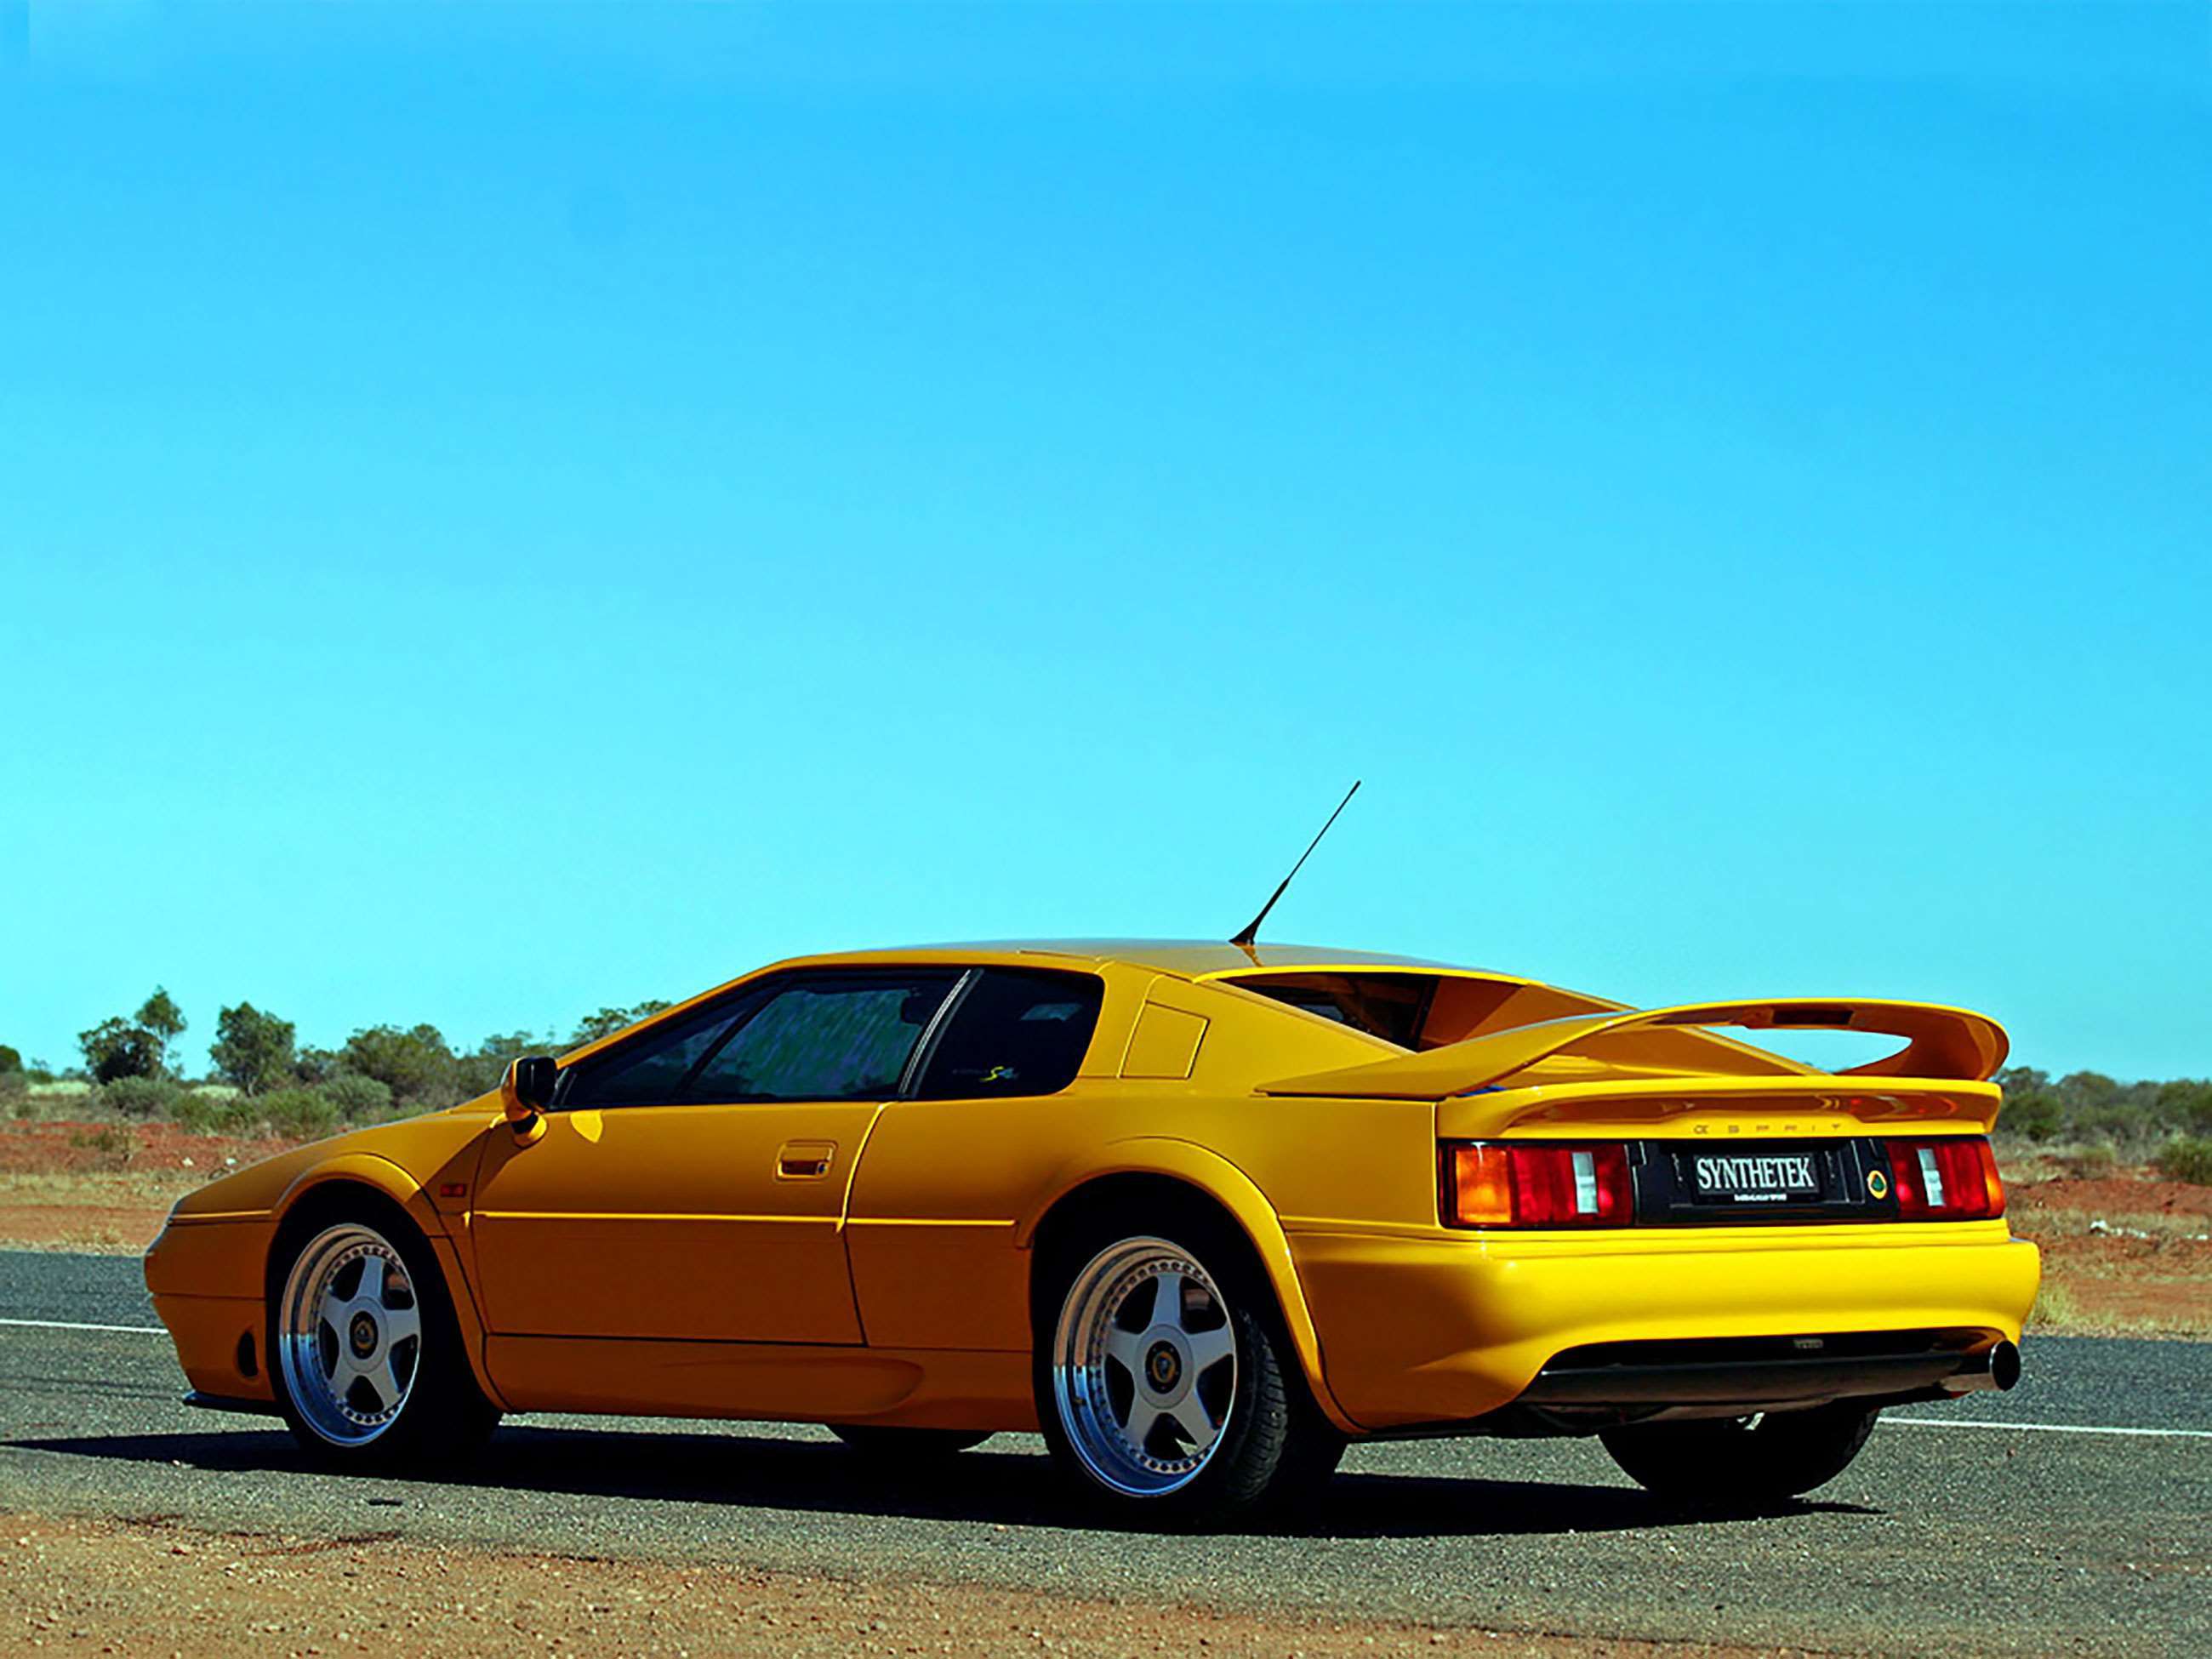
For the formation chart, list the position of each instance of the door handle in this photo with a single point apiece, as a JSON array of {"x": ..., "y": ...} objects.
[{"x": 804, "y": 1160}]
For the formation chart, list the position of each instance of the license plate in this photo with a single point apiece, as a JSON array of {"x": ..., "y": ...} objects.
[{"x": 1748, "y": 1176}]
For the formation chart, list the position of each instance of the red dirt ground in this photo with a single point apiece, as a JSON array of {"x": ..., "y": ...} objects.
[
  {"x": 149, "y": 1586},
  {"x": 2117, "y": 1194},
  {"x": 58, "y": 1148}
]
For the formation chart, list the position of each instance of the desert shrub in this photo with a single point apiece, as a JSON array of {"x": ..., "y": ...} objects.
[
  {"x": 298, "y": 1113},
  {"x": 140, "y": 1097},
  {"x": 14, "y": 1086},
  {"x": 313, "y": 1065},
  {"x": 216, "y": 1112},
  {"x": 2035, "y": 1114},
  {"x": 2111, "y": 1124},
  {"x": 416, "y": 1065},
  {"x": 111, "y": 1147},
  {"x": 2186, "y": 1104},
  {"x": 2092, "y": 1163},
  {"x": 2189, "y": 1159},
  {"x": 356, "y": 1099}
]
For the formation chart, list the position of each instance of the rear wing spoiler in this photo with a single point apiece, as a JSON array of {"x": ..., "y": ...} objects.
[{"x": 1940, "y": 1043}]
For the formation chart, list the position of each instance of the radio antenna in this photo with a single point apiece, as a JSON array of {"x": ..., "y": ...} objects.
[{"x": 1244, "y": 940}]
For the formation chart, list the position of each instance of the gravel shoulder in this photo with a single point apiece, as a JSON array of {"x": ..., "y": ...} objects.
[{"x": 156, "y": 1585}]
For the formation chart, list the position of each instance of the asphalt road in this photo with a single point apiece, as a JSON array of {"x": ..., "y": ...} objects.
[{"x": 2025, "y": 1536}]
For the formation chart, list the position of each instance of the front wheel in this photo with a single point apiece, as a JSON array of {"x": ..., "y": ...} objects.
[
  {"x": 365, "y": 1351},
  {"x": 1164, "y": 1380},
  {"x": 1731, "y": 1462}
]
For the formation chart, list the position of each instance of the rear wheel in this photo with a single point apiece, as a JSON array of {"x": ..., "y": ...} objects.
[
  {"x": 1724, "y": 1462},
  {"x": 887, "y": 1444},
  {"x": 1164, "y": 1381},
  {"x": 365, "y": 1351}
]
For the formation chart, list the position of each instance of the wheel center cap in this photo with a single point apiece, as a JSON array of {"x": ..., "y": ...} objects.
[
  {"x": 360, "y": 1335},
  {"x": 1162, "y": 1367}
]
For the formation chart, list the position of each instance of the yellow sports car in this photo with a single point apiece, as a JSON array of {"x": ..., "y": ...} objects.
[{"x": 1202, "y": 1213}]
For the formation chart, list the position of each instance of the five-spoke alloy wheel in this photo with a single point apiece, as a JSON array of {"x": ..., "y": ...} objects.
[
  {"x": 1144, "y": 1367},
  {"x": 351, "y": 1334},
  {"x": 363, "y": 1346},
  {"x": 1164, "y": 1379}
]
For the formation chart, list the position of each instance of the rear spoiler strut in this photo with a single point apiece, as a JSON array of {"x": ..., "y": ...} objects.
[{"x": 1940, "y": 1043}]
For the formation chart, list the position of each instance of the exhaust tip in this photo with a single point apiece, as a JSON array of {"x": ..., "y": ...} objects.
[{"x": 2004, "y": 1365}]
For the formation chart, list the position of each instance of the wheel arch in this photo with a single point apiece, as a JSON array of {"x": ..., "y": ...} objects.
[
  {"x": 1152, "y": 1166},
  {"x": 362, "y": 1179}
]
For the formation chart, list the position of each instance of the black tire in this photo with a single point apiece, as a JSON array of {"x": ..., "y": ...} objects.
[
  {"x": 1740, "y": 1462},
  {"x": 443, "y": 1417},
  {"x": 902, "y": 1447},
  {"x": 1274, "y": 1446}
]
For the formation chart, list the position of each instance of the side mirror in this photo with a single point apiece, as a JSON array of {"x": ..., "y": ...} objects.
[{"x": 527, "y": 1088}]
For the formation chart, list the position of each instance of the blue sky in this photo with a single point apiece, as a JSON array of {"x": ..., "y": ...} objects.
[{"x": 504, "y": 510}]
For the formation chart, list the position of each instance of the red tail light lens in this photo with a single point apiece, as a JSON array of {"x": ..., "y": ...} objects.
[
  {"x": 1954, "y": 1179},
  {"x": 1488, "y": 1185}
]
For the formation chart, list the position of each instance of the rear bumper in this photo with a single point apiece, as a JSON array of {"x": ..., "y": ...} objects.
[{"x": 1431, "y": 1330}]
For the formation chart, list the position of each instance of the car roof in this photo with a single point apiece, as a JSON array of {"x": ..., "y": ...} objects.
[{"x": 1192, "y": 958}]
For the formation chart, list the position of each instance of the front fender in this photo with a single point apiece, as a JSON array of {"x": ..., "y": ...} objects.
[
  {"x": 365, "y": 1170},
  {"x": 1235, "y": 1191},
  {"x": 394, "y": 1182}
]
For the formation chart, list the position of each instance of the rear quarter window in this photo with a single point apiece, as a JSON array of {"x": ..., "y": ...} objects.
[{"x": 1017, "y": 1031}]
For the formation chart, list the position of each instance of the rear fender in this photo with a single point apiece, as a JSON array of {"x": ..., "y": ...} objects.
[{"x": 1209, "y": 1173}]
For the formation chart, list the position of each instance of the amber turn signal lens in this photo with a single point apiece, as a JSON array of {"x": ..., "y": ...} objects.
[{"x": 1481, "y": 1186}]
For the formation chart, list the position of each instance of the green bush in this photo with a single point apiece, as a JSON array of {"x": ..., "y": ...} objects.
[
  {"x": 2093, "y": 1162},
  {"x": 298, "y": 1113},
  {"x": 2189, "y": 1159},
  {"x": 112, "y": 1147},
  {"x": 2035, "y": 1114},
  {"x": 416, "y": 1065},
  {"x": 210, "y": 1112},
  {"x": 2115, "y": 1123},
  {"x": 356, "y": 1099},
  {"x": 13, "y": 1086},
  {"x": 2186, "y": 1105},
  {"x": 140, "y": 1097}
]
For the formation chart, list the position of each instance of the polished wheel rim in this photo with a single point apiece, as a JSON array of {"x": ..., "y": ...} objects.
[
  {"x": 350, "y": 1334},
  {"x": 1144, "y": 1370}
]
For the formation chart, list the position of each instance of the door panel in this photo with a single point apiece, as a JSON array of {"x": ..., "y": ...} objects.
[
  {"x": 931, "y": 1228},
  {"x": 717, "y": 1222},
  {"x": 690, "y": 1182}
]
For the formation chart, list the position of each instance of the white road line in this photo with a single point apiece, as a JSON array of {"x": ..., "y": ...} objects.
[
  {"x": 2043, "y": 1428},
  {"x": 65, "y": 1325}
]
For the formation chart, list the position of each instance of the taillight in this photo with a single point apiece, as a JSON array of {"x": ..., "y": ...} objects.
[
  {"x": 1954, "y": 1179},
  {"x": 1492, "y": 1185}
]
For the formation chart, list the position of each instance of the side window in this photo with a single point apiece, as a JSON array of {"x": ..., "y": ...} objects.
[
  {"x": 650, "y": 1070},
  {"x": 824, "y": 1037},
  {"x": 1017, "y": 1031}
]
